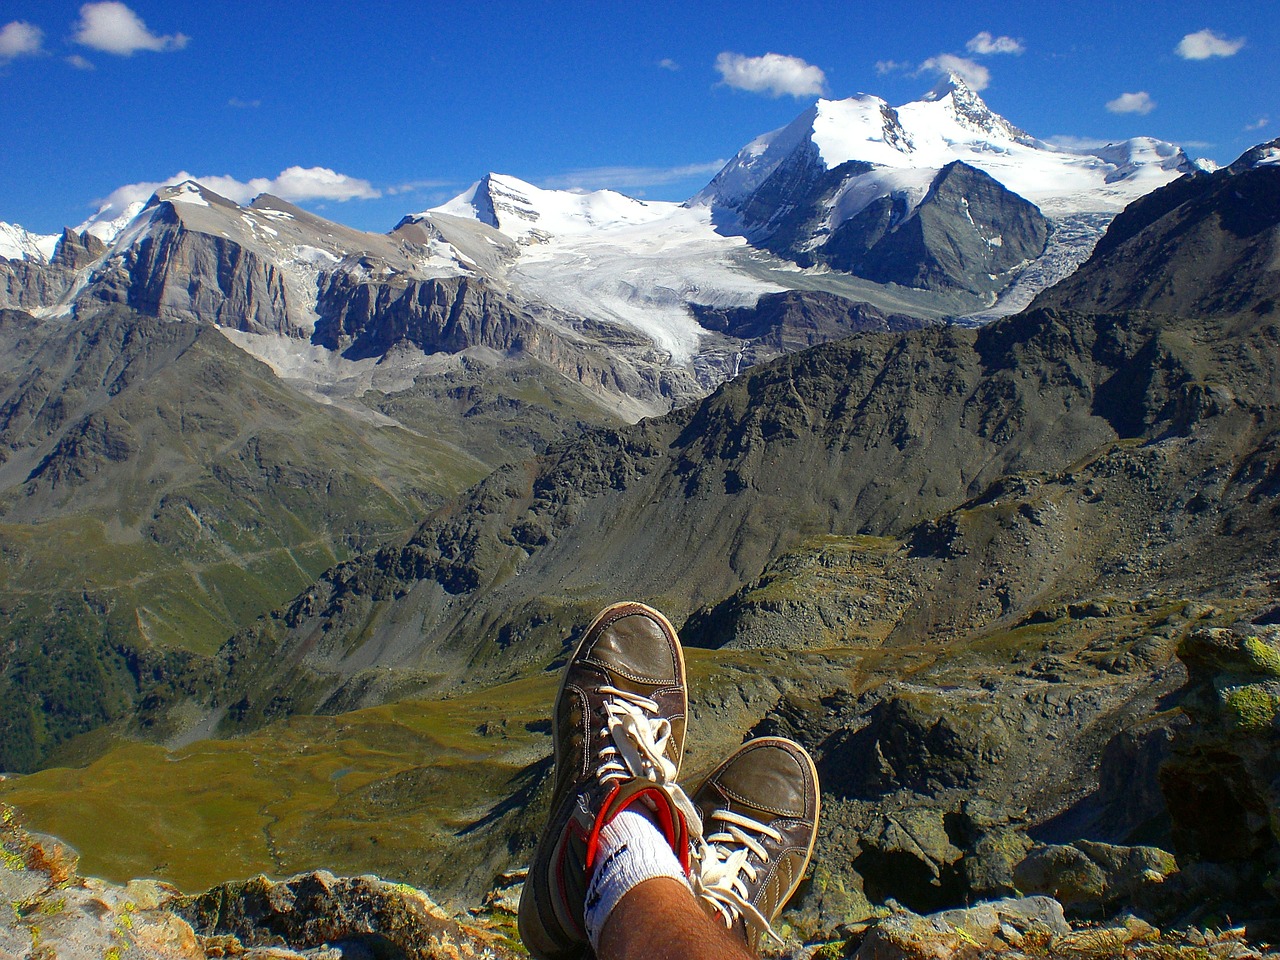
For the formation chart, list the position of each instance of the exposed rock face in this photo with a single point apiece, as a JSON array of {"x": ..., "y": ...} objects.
[
  {"x": 75, "y": 251},
  {"x": 1222, "y": 783},
  {"x": 782, "y": 323},
  {"x": 358, "y": 915},
  {"x": 176, "y": 273},
  {"x": 365, "y": 319},
  {"x": 453, "y": 314},
  {"x": 968, "y": 233},
  {"x": 1033, "y": 926},
  {"x": 48, "y": 910},
  {"x": 1205, "y": 245},
  {"x": 33, "y": 284}
]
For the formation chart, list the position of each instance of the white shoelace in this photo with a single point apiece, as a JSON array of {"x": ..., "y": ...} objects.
[
  {"x": 724, "y": 869},
  {"x": 638, "y": 750}
]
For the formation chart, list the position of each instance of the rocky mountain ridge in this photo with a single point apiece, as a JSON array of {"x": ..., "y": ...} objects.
[
  {"x": 1206, "y": 244},
  {"x": 976, "y": 571},
  {"x": 927, "y": 224}
]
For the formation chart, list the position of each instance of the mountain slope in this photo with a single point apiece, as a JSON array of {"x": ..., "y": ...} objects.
[
  {"x": 1206, "y": 245},
  {"x": 871, "y": 435},
  {"x": 160, "y": 488}
]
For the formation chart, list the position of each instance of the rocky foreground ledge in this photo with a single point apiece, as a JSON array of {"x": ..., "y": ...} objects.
[{"x": 47, "y": 910}]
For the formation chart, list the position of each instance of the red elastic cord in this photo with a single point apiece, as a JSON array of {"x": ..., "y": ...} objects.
[
  {"x": 673, "y": 829},
  {"x": 593, "y": 838}
]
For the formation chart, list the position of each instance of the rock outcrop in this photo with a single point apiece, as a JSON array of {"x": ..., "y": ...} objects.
[
  {"x": 32, "y": 284},
  {"x": 47, "y": 910},
  {"x": 1222, "y": 783}
]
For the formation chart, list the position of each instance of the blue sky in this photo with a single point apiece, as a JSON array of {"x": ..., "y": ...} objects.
[{"x": 365, "y": 112}]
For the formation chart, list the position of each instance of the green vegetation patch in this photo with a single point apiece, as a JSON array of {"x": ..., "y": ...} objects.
[
  {"x": 383, "y": 790},
  {"x": 1250, "y": 708}
]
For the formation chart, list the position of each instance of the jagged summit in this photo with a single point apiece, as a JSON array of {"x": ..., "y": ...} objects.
[
  {"x": 968, "y": 109},
  {"x": 17, "y": 243},
  {"x": 1263, "y": 155},
  {"x": 951, "y": 122}
]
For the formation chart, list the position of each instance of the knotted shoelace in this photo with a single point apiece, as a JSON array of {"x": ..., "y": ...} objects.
[
  {"x": 724, "y": 869},
  {"x": 639, "y": 739}
]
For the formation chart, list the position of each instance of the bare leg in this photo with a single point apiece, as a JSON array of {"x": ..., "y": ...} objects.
[{"x": 659, "y": 919}]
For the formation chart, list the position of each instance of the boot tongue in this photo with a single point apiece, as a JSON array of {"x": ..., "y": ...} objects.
[{"x": 770, "y": 786}]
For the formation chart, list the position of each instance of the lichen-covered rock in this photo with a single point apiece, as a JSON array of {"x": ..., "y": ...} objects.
[
  {"x": 317, "y": 909},
  {"x": 1222, "y": 784},
  {"x": 1092, "y": 879},
  {"x": 984, "y": 930},
  {"x": 990, "y": 863},
  {"x": 48, "y": 911}
]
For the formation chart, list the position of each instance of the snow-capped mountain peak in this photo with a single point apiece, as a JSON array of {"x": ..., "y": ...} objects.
[
  {"x": 1263, "y": 155},
  {"x": 17, "y": 243},
  {"x": 531, "y": 214},
  {"x": 108, "y": 222},
  {"x": 963, "y": 106},
  {"x": 949, "y": 123}
]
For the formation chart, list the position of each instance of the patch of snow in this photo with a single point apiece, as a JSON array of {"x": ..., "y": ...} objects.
[
  {"x": 1268, "y": 157},
  {"x": 105, "y": 227},
  {"x": 314, "y": 255},
  {"x": 530, "y": 214},
  {"x": 643, "y": 275},
  {"x": 255, "y": 225},
  {"x": 48, "y": 245},
  {"x": 185, "y": 192},
  {"x": 17, "y": 243},
  {"x": 858, "y": 192}
]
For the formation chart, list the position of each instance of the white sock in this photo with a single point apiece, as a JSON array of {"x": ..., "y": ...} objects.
[{"x": 632, "y": 850}]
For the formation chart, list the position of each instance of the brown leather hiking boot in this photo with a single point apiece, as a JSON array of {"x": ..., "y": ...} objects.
[
  {"x": 759, "y": 814},
  {"x": 618, "y": 727}
]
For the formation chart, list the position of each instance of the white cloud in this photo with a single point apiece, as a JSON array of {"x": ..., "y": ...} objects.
[
  {"x": 618, "y": 178},
  {"x": 1139, "y": 102},
  {"x": 1261, "y": 123},
  {"x": 666, "y": 63},
  {"x": 974, "y": 74},
  {"x": 240, "y": 104},
  {"x": 80, "y": 63},
  {"x": 416, "y": 186},
  {"x": 20, "y": 39},
  {"x": 295, "y": 183},
  {"x": 893, "y": 66},
  {"x": 1205, "y": 44},
  {"x": 985, "y": 44},
  {"x": 774, "y": 74},
  {"x": 113, "y": 28}
]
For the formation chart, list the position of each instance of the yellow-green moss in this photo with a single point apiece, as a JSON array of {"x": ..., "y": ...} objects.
[
  {"x": 1250, "y": 708},
  {"x": 1263, "y": 657}
]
